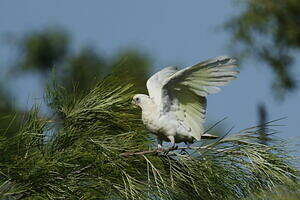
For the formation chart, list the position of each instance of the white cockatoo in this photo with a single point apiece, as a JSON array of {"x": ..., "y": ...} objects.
[{"x": 175, "y": 109}]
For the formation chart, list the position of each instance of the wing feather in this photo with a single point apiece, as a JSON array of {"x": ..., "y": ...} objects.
[
  {"x": 188, "y": 111},
  {"x": 184, "y": 92},
  {"x": 155, "y": 83}
]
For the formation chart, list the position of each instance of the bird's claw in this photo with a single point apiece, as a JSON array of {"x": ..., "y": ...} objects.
[
  {"x": 159, "y": 150},
  {"x": 174, "y": 147}
]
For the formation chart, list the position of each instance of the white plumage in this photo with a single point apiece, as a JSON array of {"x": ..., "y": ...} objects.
[{"x": 176, "y": 105}]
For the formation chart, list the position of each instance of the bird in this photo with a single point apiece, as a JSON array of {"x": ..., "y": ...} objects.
[{"x": 175, "y": 108}]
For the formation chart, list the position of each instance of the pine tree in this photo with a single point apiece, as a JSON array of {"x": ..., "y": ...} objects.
[{"x": 80, "y": 155}]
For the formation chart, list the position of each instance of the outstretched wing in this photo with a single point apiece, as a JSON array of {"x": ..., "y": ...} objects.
[
  {"x": 155, "y": 83},
  {"x": 184, "y": 92}
]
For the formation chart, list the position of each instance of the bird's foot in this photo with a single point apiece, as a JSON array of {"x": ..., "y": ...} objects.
[
  {"x": 159, "y": 150},
  {"x": 174, "y": 147}
]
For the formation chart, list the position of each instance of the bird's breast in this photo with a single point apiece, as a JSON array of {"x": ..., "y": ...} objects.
[
  {"x": 151, "y": 120},
  {"x": 161, "y": 124}
]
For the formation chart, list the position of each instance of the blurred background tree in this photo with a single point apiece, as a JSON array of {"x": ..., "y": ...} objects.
[
  {"x": 44, "y": 49},
  {"x": 82, "y": 70},
  {"x": 9, "y": 115},
  {"x": 135, "y": 65},
  {"x": 49, "y": 49},
  {"x": 262, "y": 122},
  {"x": 269, "y": 30}
]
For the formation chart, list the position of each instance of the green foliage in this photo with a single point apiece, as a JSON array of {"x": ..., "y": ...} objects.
[
  {"x": 78, "y": 155},
  {"x": 269, "y": 30},
  {"x": 82, "y": 71},
  {"x": 42, "y": 50},
  {"x": 49, "y": 48},
  {"x": 9, "y": 121},
  {"x": 279, "y": 193},
  {"x": 135, "y": 65}
]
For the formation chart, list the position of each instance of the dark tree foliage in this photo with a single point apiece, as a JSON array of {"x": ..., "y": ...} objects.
[
  {"x": 135, "y": 65},
  {"x": 49, "y": 49},
  {"x": 9, "y": 116},
  {"x": 42, "y": 50},
  {"x": 82, "y": 71},
  {"x": 270, "y": 31},
  {"x": 262, "y": 119}
]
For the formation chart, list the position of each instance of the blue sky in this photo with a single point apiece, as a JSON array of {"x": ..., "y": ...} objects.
[{"x": 171, "y": 32}]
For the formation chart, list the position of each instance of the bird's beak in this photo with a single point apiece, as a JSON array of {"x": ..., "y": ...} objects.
[{"x": 134, "y": 104}]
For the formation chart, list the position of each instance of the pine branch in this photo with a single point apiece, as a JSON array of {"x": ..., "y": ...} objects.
[
  {"x": 166, "y": 150},
  {"x": 155, "y": 151}
]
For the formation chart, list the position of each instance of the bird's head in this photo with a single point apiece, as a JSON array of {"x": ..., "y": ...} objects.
[{"x": 140, "y": 100}]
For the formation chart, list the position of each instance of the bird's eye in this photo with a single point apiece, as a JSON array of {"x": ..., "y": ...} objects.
[{"x": 137, "y": 100}]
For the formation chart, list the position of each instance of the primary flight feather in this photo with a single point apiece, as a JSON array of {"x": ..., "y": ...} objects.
[{"x": 176, "y": 106}]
